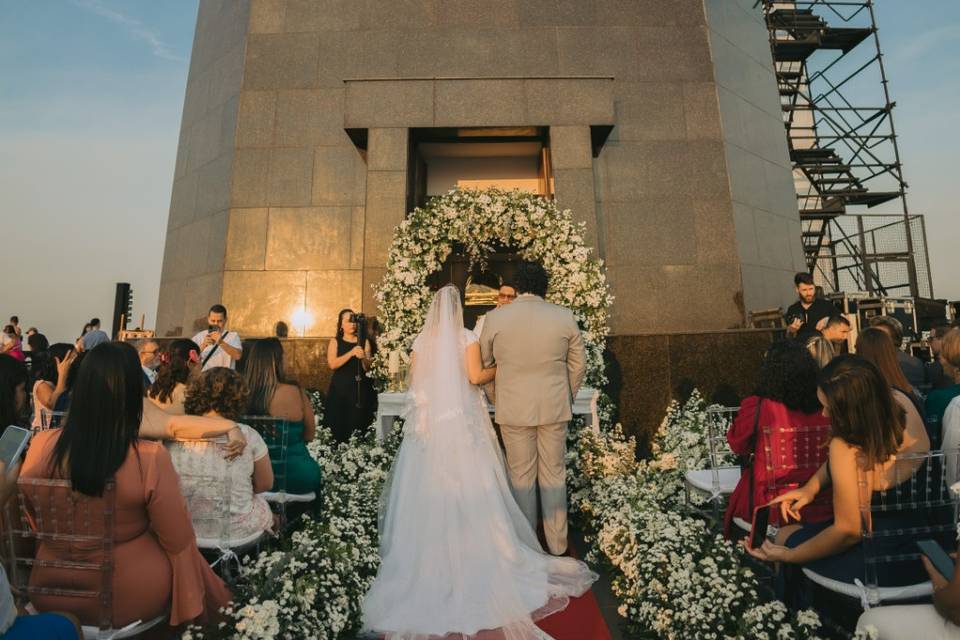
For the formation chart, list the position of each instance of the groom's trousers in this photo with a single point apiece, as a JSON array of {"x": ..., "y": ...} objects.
[{"x": 535, "y": 455}]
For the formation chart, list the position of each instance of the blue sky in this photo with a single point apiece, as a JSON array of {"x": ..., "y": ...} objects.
[{"x": 90, "y": 98}]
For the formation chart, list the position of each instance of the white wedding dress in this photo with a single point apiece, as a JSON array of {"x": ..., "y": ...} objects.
[{"x": 457, "y": 555}]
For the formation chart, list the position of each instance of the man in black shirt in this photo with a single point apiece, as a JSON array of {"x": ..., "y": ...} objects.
[{"x": 809, "y": 314}]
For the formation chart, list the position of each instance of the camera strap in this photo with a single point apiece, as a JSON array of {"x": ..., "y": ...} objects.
[{"x": 214, "y": 350}]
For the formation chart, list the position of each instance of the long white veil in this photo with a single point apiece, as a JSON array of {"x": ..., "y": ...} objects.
[{"x": 440, "y": 390}]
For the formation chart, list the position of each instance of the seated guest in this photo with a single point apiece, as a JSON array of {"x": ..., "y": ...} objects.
[
  {"x": 911, "y": 366},
  {"x": 13, "y": 392},
  {"x": 37, "y": 342},
  {"x": 178, "y": 363},
  {"x": 875, "y": 346},
  {"x": 221, "y": 393},
  {"x": 10, "y": 343},
  {"x": 940, "y": 620},
  {"x": 938, "y": 399},
  {"x": 157, "y": 568},
  {"x": 821, "y": 349},
  {"x": 50, "y": 378},
  {"x": 935, "y": 375},
  {"x": 836, "y": 331},
  {"x": 63, "y": 400},
  {"x": 271, "y": 394},
  {"x": 149, "y": 352},
  {"x": 786, "y": 396},
  {"x": 868, "y": 431}
]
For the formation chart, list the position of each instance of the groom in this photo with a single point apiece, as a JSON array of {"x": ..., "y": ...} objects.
[{"x": 540, "y": 361}]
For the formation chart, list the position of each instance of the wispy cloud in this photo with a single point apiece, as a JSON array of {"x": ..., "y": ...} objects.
[{"x": 133, "y": 26}]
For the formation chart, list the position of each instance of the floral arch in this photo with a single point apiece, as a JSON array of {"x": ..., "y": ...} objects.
[{"x": 477, "y": 220}]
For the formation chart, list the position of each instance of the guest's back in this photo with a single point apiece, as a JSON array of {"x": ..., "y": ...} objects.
[
  {"x": 156, "y": 566},
  {"x": 155, "y": 554},
  {"x": 785, "y": 404},
  {"x": 271, "y": 395}
]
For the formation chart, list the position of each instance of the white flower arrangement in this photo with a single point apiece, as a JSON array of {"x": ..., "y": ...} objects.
[
  {"x": 673, "y": 576},
  {"x": 475, "y": 221}
]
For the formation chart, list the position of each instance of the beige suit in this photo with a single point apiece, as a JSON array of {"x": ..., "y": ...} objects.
[{"x": 540, "y": 361}]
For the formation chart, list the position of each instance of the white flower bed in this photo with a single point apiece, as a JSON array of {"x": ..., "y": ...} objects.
[{"x": 673, "y": 576}]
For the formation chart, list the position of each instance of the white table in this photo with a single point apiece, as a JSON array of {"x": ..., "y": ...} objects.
[{"x": 392, "y": 405}]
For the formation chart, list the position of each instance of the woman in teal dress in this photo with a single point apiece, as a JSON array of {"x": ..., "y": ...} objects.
[{"x": 271, "y": 395}]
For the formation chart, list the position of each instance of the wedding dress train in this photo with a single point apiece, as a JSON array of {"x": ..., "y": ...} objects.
[{"x": 457, "y": 555}]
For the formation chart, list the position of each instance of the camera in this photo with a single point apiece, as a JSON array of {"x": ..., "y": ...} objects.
[
  {"x": 361, "y": 321},
  {"x": 790, "y": 319}
]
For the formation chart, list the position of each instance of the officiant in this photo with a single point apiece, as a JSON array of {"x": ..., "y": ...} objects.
[{"x": 351, "y": 399}]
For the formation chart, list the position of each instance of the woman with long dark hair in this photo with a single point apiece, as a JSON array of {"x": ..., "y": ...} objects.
[
  {"x": 271, "y": 394},
  {"x": 178, "y": 362},
  {"x": 868, "y": 431},
  {"x": 351, "y": 400},
  {"x": 874, "y": 345},
  {"x": 156, "y": 564},
  {"x": 786, "y": 396},
  {"x": 50, "y": 370}
]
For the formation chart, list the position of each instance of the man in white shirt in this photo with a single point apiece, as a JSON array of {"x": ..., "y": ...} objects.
[{"x": 218, "y": 347}]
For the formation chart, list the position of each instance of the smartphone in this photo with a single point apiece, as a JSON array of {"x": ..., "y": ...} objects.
[
  {"x": 758, "y": 532},
  {"x": 937, "y": 557},
  {"x": 13, "y": 443}
]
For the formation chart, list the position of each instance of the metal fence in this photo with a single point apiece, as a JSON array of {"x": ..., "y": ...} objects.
[{"x": 871, "y": 252}]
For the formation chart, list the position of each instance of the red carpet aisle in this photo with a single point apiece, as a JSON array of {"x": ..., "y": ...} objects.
[{"x": 579, "y": 621}]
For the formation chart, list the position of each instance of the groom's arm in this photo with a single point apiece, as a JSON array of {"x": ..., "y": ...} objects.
[
  {"x": 576, "y": 360},
  {"x": 486, "y": 343}
]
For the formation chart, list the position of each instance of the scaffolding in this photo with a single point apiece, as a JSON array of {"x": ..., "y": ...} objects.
[{"x": 838, "y": 116}]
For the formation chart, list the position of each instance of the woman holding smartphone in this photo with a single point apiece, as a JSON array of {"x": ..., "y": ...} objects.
[{"x": 868, "y": 431}]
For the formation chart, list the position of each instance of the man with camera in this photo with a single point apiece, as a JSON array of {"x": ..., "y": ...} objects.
[
  {"x": 809, "y": 314},
  {"x": 218, "y": 347}
]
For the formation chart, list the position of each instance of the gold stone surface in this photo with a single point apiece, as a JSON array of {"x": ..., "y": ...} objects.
[
  {"x": 257, "y": 300},
  {"x": 328, "y": 291},
  {"x": 246, "y": 239},
  {"x": 309, "y": 238}
]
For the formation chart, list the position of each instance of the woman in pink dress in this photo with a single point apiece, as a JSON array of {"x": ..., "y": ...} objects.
[
  {"x": 10, "y": 343},
  {"x": 158, "y": 569}
]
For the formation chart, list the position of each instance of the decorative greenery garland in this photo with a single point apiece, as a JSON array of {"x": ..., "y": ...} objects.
[{"x": 475, "y": 222}]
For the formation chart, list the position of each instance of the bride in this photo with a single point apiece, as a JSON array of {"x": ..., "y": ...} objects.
[{"x": 457, "y": 554}]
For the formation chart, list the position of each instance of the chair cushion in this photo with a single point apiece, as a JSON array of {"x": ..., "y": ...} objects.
[
  {"x": 703, "y": 479},
  {"x": 885, "y": 594},
  {"x": 134, "y": 628},
  {"x": 233, "y": 543},
  {"x": 281, "y": 497}
]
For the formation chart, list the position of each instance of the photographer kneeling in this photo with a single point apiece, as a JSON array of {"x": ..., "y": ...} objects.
[{"x": 351, "y": 399}]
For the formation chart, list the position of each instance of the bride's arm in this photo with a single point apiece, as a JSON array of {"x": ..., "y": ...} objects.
[{"x": 475, "y": 371}]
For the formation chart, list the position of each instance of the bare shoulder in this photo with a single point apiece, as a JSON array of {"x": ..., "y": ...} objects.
[{"x": 287, "y": 402}]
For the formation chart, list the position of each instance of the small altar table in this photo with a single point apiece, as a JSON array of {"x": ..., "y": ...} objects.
[{"x": 392, "y": 404}]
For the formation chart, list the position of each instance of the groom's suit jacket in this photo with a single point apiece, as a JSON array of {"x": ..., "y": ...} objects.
[{"x": 540, "y": 360}]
